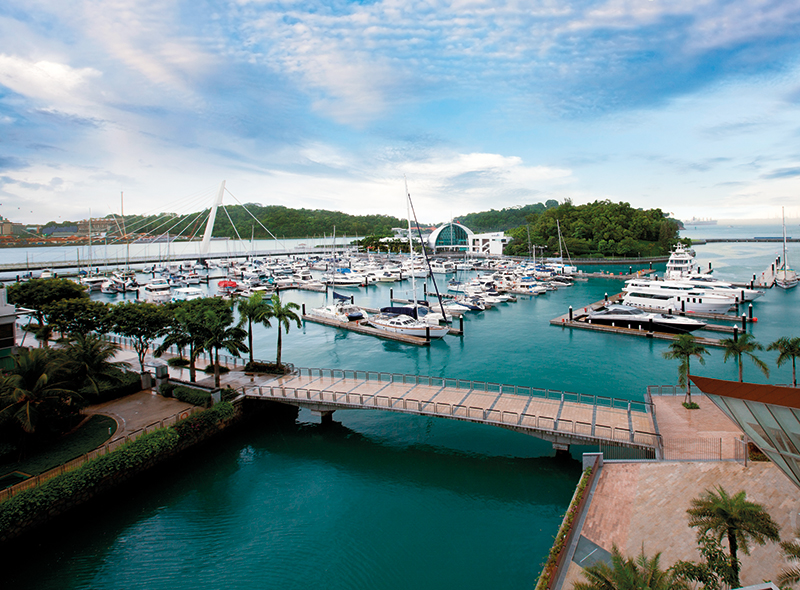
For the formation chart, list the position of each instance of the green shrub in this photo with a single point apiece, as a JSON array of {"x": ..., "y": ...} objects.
[
  {"x": 30, "y": 503},
  {"x": 259, "y": 367},
  {"x": 229, "y": 394},
  {"x": 129, "y": 383},
  {"x": 167, "y": 388},
  {"x": 691, "y": 406},
  {"x": 177, "y": 361},
  {"x": 210, "y": 369},
  {"x": 196, "y": 397},
  {"x": 199, "y": 423}
]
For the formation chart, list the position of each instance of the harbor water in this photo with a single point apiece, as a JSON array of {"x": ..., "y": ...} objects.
[{"x": 384, "y": 500}]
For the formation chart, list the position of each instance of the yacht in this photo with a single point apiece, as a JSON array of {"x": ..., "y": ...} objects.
[
  {"x": 442, "y": 267},
  {"x": 339, "y": 311},
  {"x": 681, "y": 264},
  {"x": 674, "y": 296},
  {"x": 157, "y": 291},
  {"x": 723, "y": 288},
  {"x": 93, "y": 283},
  {"x": 627, "y": 316},
  {"x": 187, "y": 294},
  {"x": 399, "y": 323}
]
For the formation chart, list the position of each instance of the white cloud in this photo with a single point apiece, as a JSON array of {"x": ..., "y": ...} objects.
[{"x": 50, "y": 83}]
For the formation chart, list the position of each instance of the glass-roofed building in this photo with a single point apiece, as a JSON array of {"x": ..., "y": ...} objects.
[
  {"x": 768, "y": 414},
  {"x": 450, "y": 237}
]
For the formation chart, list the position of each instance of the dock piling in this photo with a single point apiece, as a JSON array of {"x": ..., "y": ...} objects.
[
  {"x": 744, "y": 322},
  {"x": 570, "y": 313},
  {"x": 736, "y": 333},
  {"x": 750, "y": 311}
]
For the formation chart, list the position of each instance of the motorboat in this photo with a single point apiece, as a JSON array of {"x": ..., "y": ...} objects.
[
  {"x": 674, "y": 296},
  {"x": 339, "y": 311},
  {"x": 442, "y": 267},
  {"x": 681, "y": 264},
  {"x": 627, "y": 316},
  {"x": 93, "y": 283},
  {"x": 399, "y": 323},
  {"x": 157, "y": 291},
  {"x": 187, "y": 294}
]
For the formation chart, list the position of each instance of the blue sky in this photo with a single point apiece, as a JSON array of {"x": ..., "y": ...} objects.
[{"x": 688, "y": 105}]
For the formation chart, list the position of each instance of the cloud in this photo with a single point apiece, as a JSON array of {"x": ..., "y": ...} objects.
[
  {"x": 783, "y": 173},
  {"x": 53, "y": 84}
]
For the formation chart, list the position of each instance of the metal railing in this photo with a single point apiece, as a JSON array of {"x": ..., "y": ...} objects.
[
  {"x": 108, "y": 447},
  {"x": 466, "y": 385},
  {"x": 584, "y": 431}
]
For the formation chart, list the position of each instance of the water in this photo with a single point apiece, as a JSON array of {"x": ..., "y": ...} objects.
[{"x": 381, "y": 499}]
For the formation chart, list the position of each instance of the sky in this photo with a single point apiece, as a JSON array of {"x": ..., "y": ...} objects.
[{"x": 691, "y": 106}]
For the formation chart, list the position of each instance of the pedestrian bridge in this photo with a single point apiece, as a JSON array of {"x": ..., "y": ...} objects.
[{"x": 559, "y": 417}]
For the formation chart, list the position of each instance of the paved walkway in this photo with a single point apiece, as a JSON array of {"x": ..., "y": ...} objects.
[
  {"x": 706, "y": 433},
  {"x": 639, "y": 505},
  {"x": 134, "y": 412}
]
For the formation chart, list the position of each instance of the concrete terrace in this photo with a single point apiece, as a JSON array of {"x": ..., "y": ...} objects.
[{"x": 638, "y": 505}]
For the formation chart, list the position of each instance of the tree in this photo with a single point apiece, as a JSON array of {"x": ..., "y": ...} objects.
[
  {"x": 78, "y": 316},
  {"x": 36, "y": 294},
  {"x": 627, "y": 573},
  {"x": 219, "y": 333},
  {"x": 285, "y": 316},
  {"x": 683, "y": 349},
  {"x": 253, "y": 310},
  {"x": 714, "y": 572},
  {"x": 745, "y": 344},
  {"x": 788, "y": 348},
  {"x": 734, "y": 518},
  {"x": 140, "y": 321},
  {"x": 791, "y": 551},
  {"x": 88, "y": 362},
  {"x": 184, "y": 329},
  {"x": 33, "y": 396}
]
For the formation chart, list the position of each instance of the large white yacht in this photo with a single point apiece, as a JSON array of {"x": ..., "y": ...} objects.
[
  {"x": 404, "y": 324},
  {"x": 675, "y": 296},
  {"x": 626, "y": 316},
  {"x": 681, "y": 264},
  {"x": 157, "y": 291}
]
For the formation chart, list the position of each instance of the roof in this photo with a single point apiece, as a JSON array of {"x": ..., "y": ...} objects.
[{"x": 767, "y": 394}]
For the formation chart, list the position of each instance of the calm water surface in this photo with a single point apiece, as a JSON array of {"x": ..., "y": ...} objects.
[{"x": 381, "y": 499}]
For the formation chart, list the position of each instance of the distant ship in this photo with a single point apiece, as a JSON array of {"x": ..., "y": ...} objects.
[{"x": 694, "y": 221}]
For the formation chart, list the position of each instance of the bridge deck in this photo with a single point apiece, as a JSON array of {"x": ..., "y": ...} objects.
[{"x": 558, "y": 420}]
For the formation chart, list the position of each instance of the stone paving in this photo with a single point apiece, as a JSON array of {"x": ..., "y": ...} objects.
[{"x": 643, "y": 504}]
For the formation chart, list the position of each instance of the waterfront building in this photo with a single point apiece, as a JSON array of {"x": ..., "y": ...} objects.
[
  {"x": 8, "y": 334},
  {"x": 454, "y": 237},
  {"x": 768, "y": 414}
]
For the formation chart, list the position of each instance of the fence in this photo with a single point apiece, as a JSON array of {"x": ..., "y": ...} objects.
[
  {"x": 705, "y": 449},
  {"x": 107, "y": 448},
  {"x": 583, "y": 431},
  {"x": 464, "y": 384}
]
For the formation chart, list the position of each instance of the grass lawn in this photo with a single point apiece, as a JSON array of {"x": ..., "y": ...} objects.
[{"x": 94, "y": 432}]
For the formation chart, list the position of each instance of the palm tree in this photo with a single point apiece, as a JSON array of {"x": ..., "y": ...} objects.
[
  {"x": 627, "y": 573},
  {"x": 88, "y": 361},
  {"x": 788, "y": 348},
  {"x": 253, "y": 310},
  {"x": 743, "y": 345},
  {"x": 285, "y": 315},
  {"x": 186, "y": 329},
  {"x": 791, "y": 551},
  {"x": 220, "y": 334},
  {"x": 734, "y": 518},
  {"x": 683, "y": 348},
  {"x": 31, "y": 393}
]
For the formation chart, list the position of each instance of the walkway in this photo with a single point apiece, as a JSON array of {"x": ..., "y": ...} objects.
[{"x": 562, "y": 418}]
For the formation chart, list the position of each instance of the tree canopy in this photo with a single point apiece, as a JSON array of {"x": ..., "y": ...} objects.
[{"x": 601, "y": 228}]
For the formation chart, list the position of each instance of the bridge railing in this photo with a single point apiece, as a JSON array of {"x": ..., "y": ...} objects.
[
  {"x": 517, "y": 420},
  {"x": 465, "y": 384}
]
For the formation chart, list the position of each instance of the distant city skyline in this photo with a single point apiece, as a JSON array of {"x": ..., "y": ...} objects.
[{"x": 690, "y": 106}]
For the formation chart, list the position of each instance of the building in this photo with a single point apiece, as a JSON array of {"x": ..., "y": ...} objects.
[
  {"x": 8, "y": 331},
  {"x": 768, "y": 414},
  {"x": 450, "y": 237},
  {"x": 454, "y": 237}
]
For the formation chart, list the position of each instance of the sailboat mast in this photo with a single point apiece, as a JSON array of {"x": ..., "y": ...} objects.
[
  {"x": 410, "y": 245},
  {"x": 783, "y": 217}
]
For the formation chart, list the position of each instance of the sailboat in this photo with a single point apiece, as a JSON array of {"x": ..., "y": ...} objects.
[
  {"x": 785, "y": 277},
  {"x": 400, "y": 322}
]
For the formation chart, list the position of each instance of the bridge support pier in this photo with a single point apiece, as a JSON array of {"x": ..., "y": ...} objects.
[
  {"x": 325, "y": 416},
  {"x": 561, "y": 449}
]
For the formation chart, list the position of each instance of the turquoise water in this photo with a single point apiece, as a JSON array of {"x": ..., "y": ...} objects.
[{"x": 381, "y": 499}]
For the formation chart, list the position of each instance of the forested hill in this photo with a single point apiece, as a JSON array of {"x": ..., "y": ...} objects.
[
  {"x": 504, "y": 219},
  {"x": 601, "y": 228},
  {"x": 283, "y": 222}
]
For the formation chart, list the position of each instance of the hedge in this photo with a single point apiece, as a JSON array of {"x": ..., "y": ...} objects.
[
  {"x": 47, "y": 499},
  {"x": 196, "y": 397}
]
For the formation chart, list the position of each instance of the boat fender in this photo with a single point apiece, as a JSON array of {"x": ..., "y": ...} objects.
[{"x": 755, "y": 319}]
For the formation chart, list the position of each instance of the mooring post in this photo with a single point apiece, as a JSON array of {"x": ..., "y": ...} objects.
[
  {"x": 570, "y": 313},
  {"x": 736, "y": 333},
  {"x": 304, "y": 309},
  {"x": 744, "y": 322},
  {"x": 352, "y": 301},
  {"x": 750, "y": 311},
  {"x": 606, "y": 297},
  {"x": 683, "y": 306},
  {"x": 752, "y": 281},
  {"x": 461, "y": 323},
  {"x": 709, "y": 267},
  {"x": 428, "y": 333},
  {"x": 391, "y": 294},
  {"x": 630, "y": 270}
]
